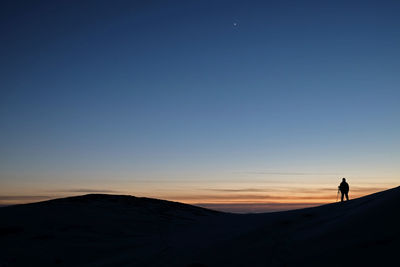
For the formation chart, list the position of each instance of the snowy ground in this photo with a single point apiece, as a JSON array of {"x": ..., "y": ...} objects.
[{"x": 110, "y": 230}]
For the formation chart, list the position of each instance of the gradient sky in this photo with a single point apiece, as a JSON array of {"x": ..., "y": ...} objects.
[{"x": 213, "y": 102}]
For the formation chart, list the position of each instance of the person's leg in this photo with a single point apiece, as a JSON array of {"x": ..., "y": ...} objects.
[
  {"x": 342, "y": 196},
  {"x": 347, "y": 195}
]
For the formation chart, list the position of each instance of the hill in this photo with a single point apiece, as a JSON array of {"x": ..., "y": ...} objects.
[{"x": 113, "y": 230}]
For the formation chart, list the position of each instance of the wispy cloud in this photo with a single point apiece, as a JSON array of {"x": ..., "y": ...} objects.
[
  {"x": 20, "y": 199},
  {"x": 8, "y": 198},
  {"x": 232, "y": 198},
  {"x": 86, "y": 190},
  {"x": 275, "y": 172},
  {"x": 365, "y": 190},
  {"x": 235, "y": 190},
  {"x": 273, "y": 190},
  {"x": 287, "y": 190}
]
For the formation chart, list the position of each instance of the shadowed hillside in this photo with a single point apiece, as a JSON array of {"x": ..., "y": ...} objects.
[{"x": 110, "y": 230}]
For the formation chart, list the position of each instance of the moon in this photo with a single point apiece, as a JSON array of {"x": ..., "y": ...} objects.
[{"x": 235, "y": 24}]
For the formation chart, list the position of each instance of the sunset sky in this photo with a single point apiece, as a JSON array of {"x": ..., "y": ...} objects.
[{"x": 234, "y": 105}]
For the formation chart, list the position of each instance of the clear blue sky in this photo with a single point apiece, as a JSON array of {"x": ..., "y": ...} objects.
[{"x": 137, "y": 95}]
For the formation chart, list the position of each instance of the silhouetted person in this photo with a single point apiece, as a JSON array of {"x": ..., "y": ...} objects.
[{"x": 344, "y": 189}]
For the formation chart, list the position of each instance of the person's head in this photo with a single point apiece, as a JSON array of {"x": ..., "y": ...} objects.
[{"x": 344, "y": 179}]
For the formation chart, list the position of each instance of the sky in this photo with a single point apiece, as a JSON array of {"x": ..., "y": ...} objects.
[{"x": 235, "y": 105}]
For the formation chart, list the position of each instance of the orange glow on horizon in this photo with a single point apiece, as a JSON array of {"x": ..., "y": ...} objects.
[{"x": 247, "y": 199}]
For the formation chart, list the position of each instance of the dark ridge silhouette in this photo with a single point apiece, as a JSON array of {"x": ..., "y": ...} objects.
[
  {"x": 115, "y": 230},
  {"x": 125, "y": 201}
]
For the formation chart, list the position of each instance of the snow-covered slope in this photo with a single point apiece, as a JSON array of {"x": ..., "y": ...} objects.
[
  {"x": 110, "y": 230},
  {"x": 361, "y": 232}
]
